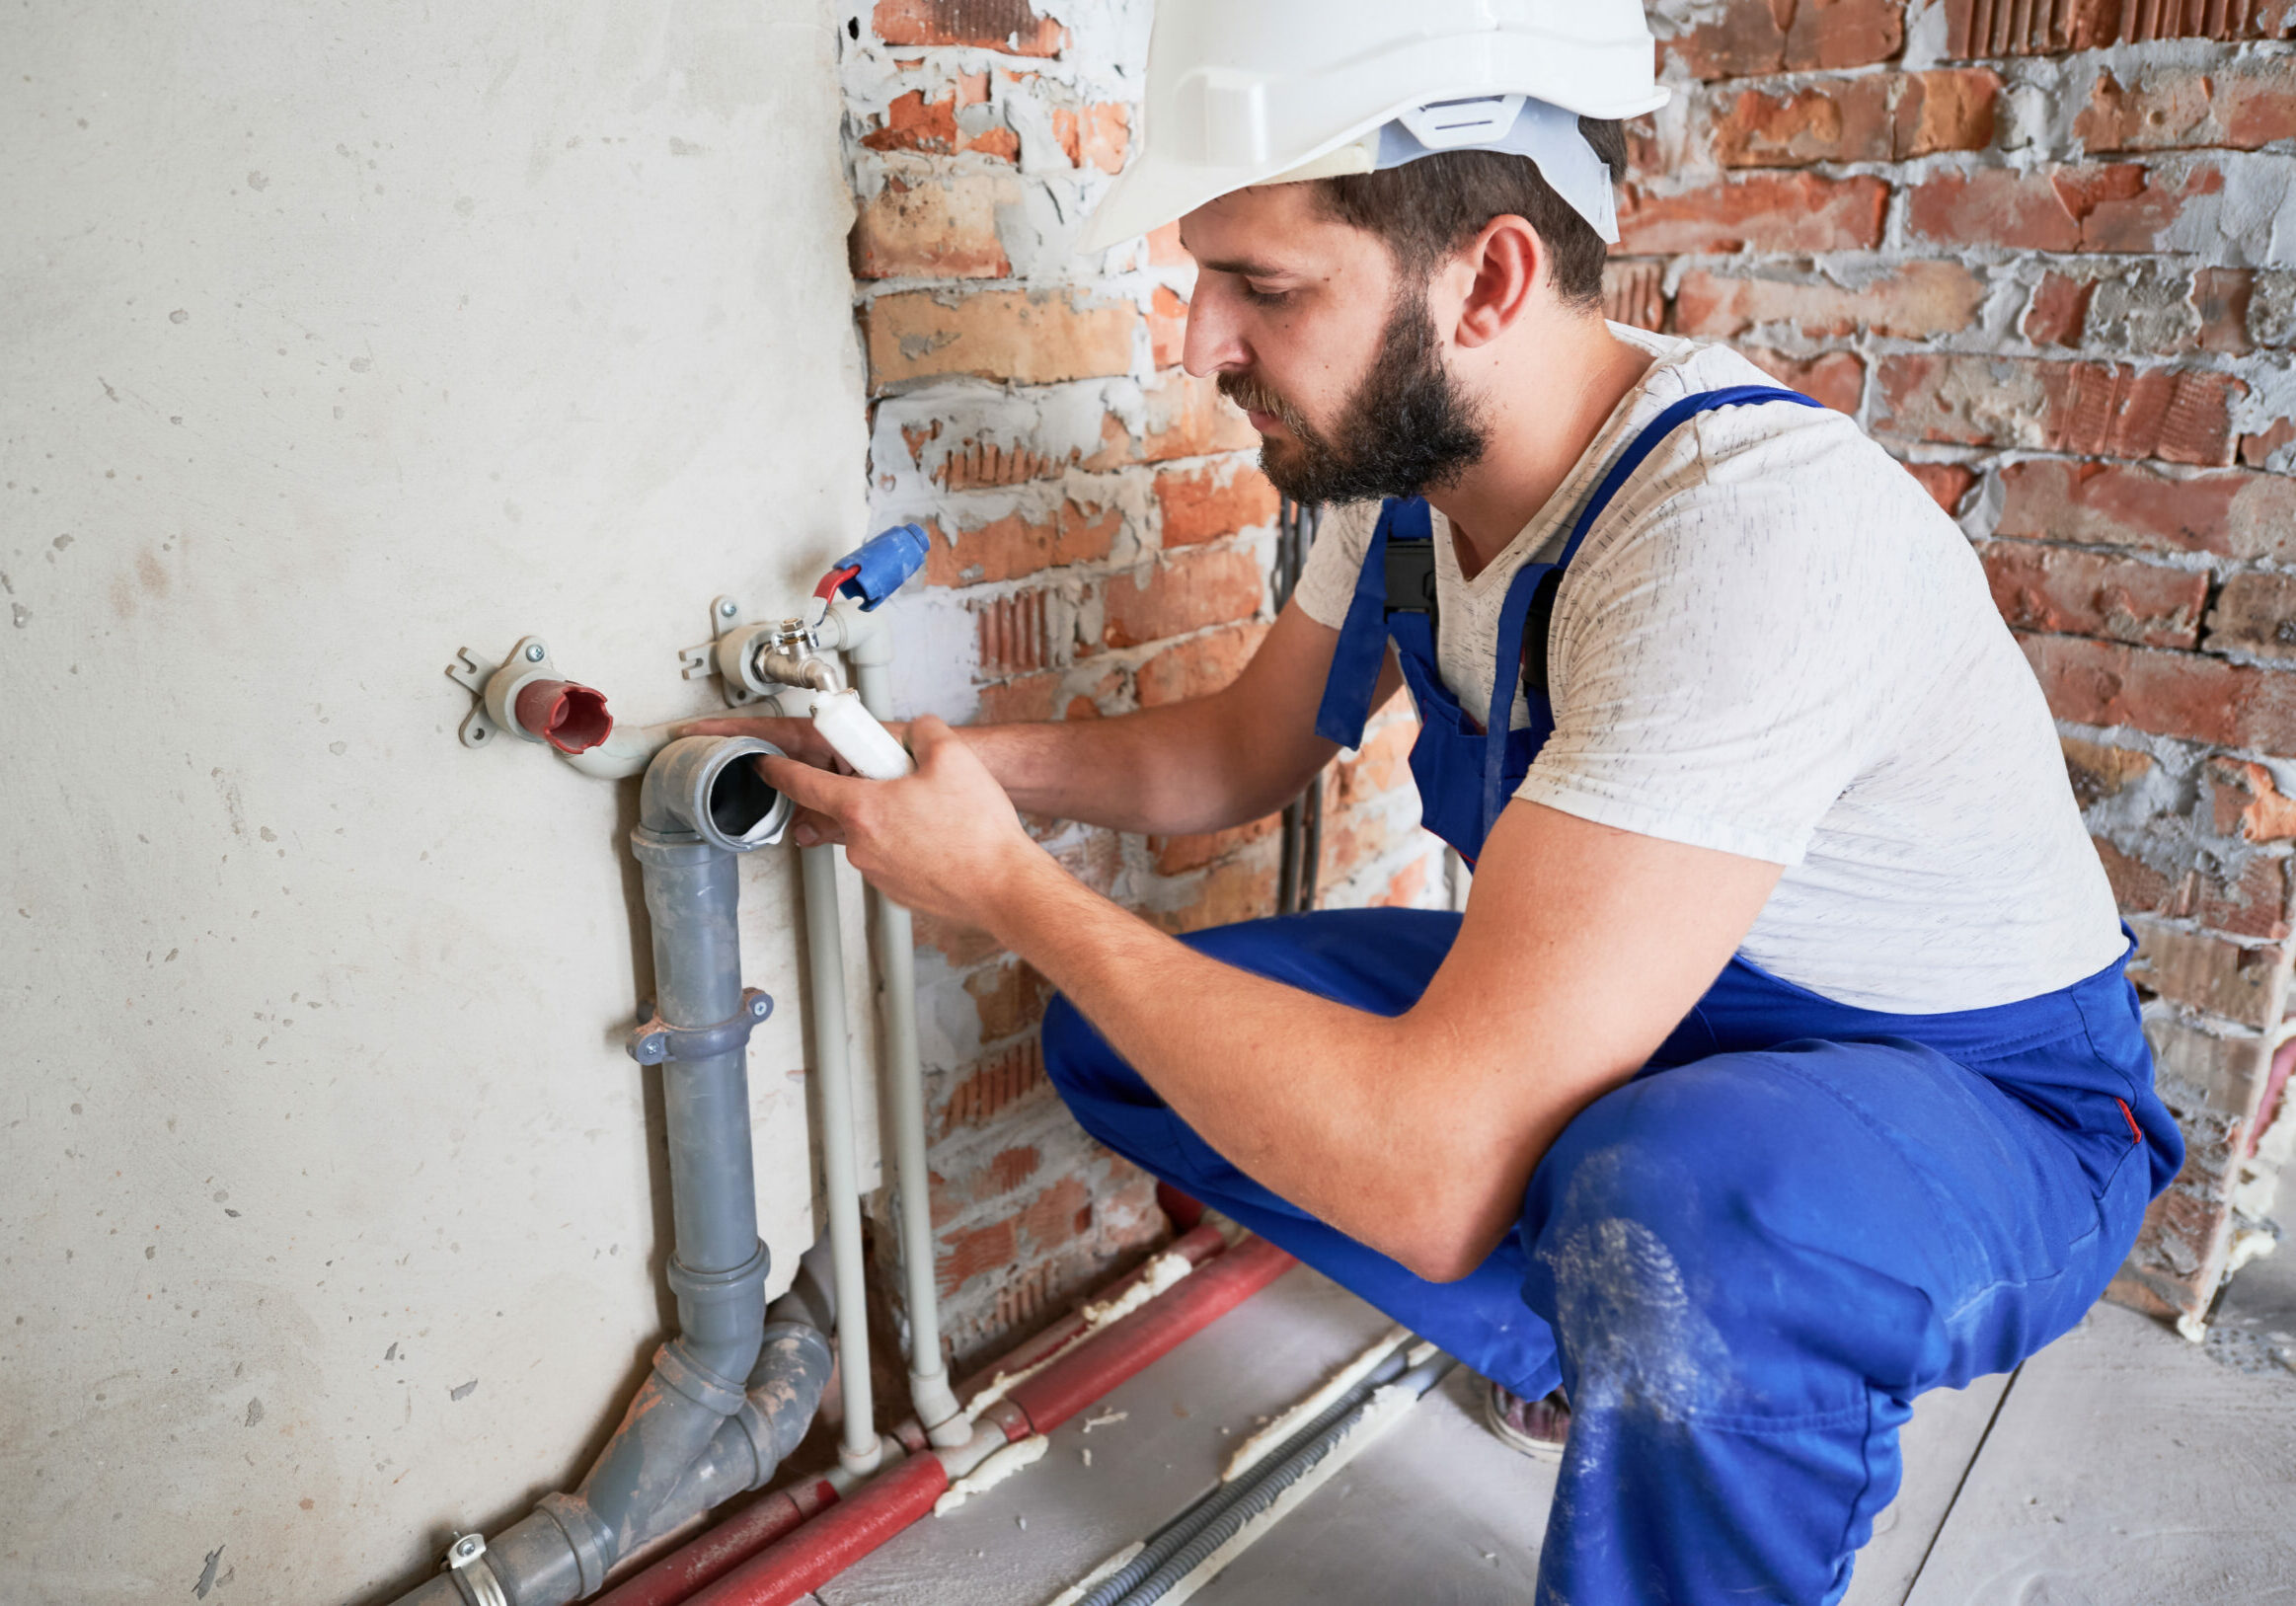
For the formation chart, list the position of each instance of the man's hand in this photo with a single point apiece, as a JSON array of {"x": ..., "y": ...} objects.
[
  {"x": 945, "y": 841},
  {"x": 797, "y": 737}
]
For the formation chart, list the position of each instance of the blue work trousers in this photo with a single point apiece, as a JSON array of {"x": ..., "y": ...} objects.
[{"x": 1745, "y": 1264}]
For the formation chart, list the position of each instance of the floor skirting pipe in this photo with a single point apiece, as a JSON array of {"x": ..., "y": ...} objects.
[
  {"x": 833, "y": 1541},
  {"x": 1154, "y": 1331},
  {"x": 725, "y": 1547},
  {"x": 873, "y": 1513}
]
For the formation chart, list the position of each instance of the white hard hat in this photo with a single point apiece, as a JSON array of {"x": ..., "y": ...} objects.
[{"x": 1246, "y": 91}]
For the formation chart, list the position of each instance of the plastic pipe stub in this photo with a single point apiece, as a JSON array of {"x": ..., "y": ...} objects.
[{"x": 571, "y": 718}]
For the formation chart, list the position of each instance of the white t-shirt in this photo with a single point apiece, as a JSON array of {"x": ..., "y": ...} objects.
[{"x": 1774, "y": 644}]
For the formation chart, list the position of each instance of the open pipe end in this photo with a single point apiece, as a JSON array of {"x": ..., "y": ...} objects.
[
  {"x": 571, "y": 718},
  {"x": 710, "y": 786}
]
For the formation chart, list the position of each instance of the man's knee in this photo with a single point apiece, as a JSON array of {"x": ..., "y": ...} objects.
[{"x": 1691, "y": 1242}]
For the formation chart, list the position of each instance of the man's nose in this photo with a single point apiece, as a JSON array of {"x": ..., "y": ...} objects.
[{"x": 1214, "y": 343}]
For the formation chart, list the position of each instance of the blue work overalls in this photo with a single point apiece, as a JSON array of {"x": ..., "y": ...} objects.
[{"x": 1744, "y": 1263}]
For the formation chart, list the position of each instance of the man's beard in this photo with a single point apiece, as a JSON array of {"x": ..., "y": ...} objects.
[{"x": 1408, "y": 429}]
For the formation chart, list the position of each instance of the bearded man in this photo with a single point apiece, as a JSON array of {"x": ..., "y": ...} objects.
[{"x": 1781, "y": 1065}]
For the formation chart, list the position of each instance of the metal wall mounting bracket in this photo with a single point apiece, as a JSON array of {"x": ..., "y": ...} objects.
[
  {"x": 474, "y": 673},
  {"x": 474, "y": 1576},
  {"x": 654, "y": 1040},
  {"x": 701, "y": 662}
]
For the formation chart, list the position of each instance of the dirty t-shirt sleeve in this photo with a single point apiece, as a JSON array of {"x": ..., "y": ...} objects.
[
  {"x": 1724, "y": 666},
  {"x": 1327, "y": 580}
]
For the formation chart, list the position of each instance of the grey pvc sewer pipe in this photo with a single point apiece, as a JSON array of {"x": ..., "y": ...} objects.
[
  {"x": 897, "y": 958},
  {"x": 728, "y": 1395}
]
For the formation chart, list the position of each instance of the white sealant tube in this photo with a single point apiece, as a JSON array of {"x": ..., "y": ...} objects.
[{"x": 854, "y": 733}]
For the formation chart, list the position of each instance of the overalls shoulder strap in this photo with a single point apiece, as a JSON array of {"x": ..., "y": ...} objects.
[
  {"x": 1526, "y": 585},
  {"x": 1362, "y": 647}
]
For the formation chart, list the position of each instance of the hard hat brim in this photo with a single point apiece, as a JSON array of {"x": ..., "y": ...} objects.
[{"x": 1155, "y": 189}]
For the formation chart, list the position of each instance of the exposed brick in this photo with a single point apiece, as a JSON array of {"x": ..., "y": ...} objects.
[
  {"x": 990, "y": 1247},
  {"x": 1837, "y": 379},
  {"x": 1975, "y": 27},
  {"x": 1181, "y": 417},
  {"x": 1164, "y": 249},
  {"x": 2102, "y": 409},
  {"x": 1874, "y": 117},
  {"x": 1845, "y": 119},
  {"x": 2256, "y": 615},
  {"x": 1013, "y": 634},
  {"x": 1186, "y": 593},
  {"x": 1010, "y": 998},
  {"x": 1797, "y": 212},
  {"x": 2219, "y": 1072},
  {"x": 2208, "y": 973},
  {"x": 1167, "y": 327},
  {"x": 2058, "y": 313},
  {"x": 1197, "y": 667},
  {"x": 2250, "y": 803},
  {"x": 928, "y": 225},
  {"x": 1405, "y": 887},
  {"x": 1177, "y": 854},
  {"x": 1010, "y": 26},
  {"x": 2241, "y": 515},
  {"x": 2099, "y": 771},
  {"x": 2124, "y": 206},
  {"x": 1947, "y": 483},
  {"x": 1239, "y": 890},
  {"x": 2170, "y": 693},
  {"x": 2259, "y": 450},
  {"x": 935, "y": 127},
  {"x": 1096, "y": 135},
  {"x": 2220, "y": 298},
  {"x": 1219, "y": 500},
  {"x": 1635, "y": 292},
  {"x": 1380, "y": 766},
  {"x": 1750, "y": 37},
  {"x": 1951, "y": 109},
  {"x": 1032, "y": 338},
  {"x": 1029, "y": 700},
  {"x": 2072, "y": 593},
  {"x": 2245, "y": 897},
  {"x": 1004, "y": 1080},
  {"x": 2242, "y": 103},
  {"x": 1911, "y": 300},
  {"x": 1017, "y": 545}
]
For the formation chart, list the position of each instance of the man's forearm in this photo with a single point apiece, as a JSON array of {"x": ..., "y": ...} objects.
[{"x": 1168, "y": 771}]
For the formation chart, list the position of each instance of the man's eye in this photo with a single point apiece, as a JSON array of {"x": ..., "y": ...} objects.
[{"x": 1264, "y": 299}]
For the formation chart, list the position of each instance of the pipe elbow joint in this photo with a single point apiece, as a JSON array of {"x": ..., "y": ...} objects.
[{"x": 707, "y": 787}]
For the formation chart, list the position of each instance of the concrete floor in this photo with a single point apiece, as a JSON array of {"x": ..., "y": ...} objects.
[{"x": 2120, "y": 1466}]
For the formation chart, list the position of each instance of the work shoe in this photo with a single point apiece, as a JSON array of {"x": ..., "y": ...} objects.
[{"x": 1538, "y": 1429}]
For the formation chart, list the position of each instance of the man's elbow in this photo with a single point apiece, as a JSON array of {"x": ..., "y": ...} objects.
[{"x": 1445, "y": 1245}]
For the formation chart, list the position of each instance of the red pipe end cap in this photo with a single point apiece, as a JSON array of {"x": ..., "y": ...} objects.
[{"x": 570, "y": 718}]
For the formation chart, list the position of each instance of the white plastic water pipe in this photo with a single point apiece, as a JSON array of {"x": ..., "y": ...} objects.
[
  {"x": 868, "y": 646},
  {"x": 858, "y": 1450}
]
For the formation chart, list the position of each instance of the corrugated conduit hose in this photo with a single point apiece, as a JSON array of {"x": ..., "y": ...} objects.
[{"x": 1189, "y": 1539}]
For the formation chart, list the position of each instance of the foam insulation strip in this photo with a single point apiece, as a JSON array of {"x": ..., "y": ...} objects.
[
  {"x": 1154, "y": 1279},
  {"x": 1256, "y": 1449},
  {"x": 1000, "y": 1466}
]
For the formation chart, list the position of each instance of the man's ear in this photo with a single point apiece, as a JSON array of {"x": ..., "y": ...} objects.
[{"x": 1508, "y": 262}]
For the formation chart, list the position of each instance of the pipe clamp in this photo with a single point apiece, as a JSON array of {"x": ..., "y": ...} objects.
[
  {"x": 654, "y": 1040},
  {"x": 473, "y": 1574}
]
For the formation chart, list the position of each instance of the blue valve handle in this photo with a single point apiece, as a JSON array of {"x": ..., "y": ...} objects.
[{"x": 885, "y": 562}]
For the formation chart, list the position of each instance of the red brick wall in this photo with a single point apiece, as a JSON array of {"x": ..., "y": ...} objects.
[
  {"x": 2043, "y": 252},
  {"x": 1101, "y": 542}
]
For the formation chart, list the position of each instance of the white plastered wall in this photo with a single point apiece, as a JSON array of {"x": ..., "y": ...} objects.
[{"x": 332, "y": 339}]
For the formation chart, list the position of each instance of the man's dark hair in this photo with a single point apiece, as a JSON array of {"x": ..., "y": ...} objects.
[{"x": 1427, "y": 209}]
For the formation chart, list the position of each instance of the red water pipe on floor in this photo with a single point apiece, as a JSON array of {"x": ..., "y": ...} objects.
[
  {"x": 786, "y": 1570},
  {"x": 721, "y": 1549}
]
